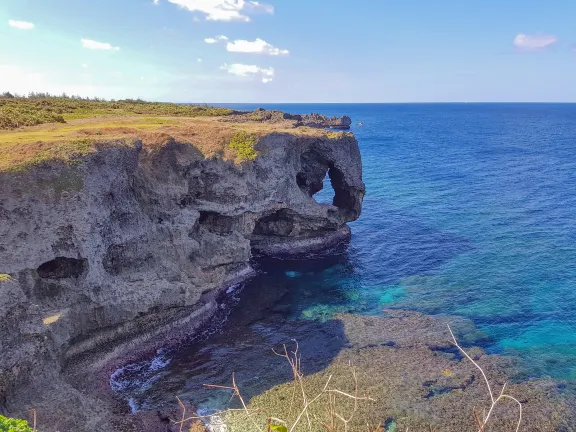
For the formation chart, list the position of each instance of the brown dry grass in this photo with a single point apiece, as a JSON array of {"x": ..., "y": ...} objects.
[{"x": 27, "y": 146}]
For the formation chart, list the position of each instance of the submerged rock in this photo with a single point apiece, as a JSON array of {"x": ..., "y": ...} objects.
[{"x": 417, "y": 380}]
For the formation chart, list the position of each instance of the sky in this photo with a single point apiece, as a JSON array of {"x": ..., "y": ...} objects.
[{"x": 275, "y": 51}]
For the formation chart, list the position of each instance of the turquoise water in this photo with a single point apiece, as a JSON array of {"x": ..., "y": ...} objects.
[{"x": 470, "y": 210}]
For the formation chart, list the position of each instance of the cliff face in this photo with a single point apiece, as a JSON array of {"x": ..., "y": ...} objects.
[{"x": 130, "y": 238}]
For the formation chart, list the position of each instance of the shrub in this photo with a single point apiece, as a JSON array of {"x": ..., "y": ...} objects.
[
  {"x": 39, "y": 108},
  {"x": 5, "y": 277},
  {"x": 244, "y": 143},
  {"x": 14, "y": 116},
  {"x": 14, "y": 425}
]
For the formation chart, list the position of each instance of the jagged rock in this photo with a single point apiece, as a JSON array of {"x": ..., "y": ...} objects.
[
  {"x": 290, "y": 120},
  {"x": 130, "y": 239},
  {"x": 321, "y": 121}
]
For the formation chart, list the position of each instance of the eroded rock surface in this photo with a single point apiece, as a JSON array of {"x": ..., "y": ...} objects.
[
  {"x": 131, "y": 239},
  {"x": 313, "y": 120}
]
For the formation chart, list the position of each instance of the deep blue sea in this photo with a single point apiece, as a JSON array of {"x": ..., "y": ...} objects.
[{"x": 470, "y": 210}]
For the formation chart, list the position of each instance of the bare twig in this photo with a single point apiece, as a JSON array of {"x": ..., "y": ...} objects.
[
  {"x": 34, "y": 420},
  {"x": 502, "y": 395},
  {"x": 183, "y": 412},
  {"x": 294, "y": 360}
]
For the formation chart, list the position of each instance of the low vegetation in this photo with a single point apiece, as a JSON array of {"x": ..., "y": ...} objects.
[
  {"x": 41, "y": 108},
  {"x": 14, "y": 425},
  {"x": 40, "y": 127},
  {"x": 243, "y": 143},
  {"x": 5, "y": 277}
]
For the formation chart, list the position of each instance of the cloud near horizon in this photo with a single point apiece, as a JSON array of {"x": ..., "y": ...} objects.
[
  {"x": 242, "y": 70},
  {"x": 94, "y": 45},
  {"x": 22, "y": 25},
  {"x": 535, "y": 42},
  {"x": 224, "y": 10}
]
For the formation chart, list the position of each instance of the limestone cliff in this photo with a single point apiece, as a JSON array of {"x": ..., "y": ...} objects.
[{"x": 130, "y": 237}]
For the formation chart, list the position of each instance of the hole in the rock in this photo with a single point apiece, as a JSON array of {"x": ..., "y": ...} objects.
[
  {"x": 326, "y": 195},
  {"x": 62, "y": 268},
  {"x": 279, "y": 223}
]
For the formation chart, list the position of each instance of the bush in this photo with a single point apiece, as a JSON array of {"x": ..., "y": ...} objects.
[
  {"x": 5, "y": 277},
  {"x": 14, "y": 116},
  {"x": 14, "y": 425},
  {"x": 244, "y": 143},
  {"x": 39, "y": 108}
]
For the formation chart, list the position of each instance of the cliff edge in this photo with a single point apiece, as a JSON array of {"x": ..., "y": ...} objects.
[{"x": 139, "y": 227}]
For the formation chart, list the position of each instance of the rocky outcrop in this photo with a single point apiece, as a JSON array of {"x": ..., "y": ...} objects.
[
  {"x": 321, "y": 121},
  {"x": 129, "y": 239},
  {"x": 290, "y": 120}
]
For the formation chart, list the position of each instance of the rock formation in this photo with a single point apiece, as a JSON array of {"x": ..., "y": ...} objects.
[
  {"x": 290, "y": 120},
  {"x": 131, "y": 238}
]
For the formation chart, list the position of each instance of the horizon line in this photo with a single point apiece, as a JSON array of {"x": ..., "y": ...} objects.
[{"x": 382, "y": 103}]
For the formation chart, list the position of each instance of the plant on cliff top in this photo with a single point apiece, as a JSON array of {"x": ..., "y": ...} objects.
[
  {"x": 14, "y": 425},
  {"x": 244, "y": 143},
  {"x": 40, "y": 108},
  {"x": 15, "y": 116}
]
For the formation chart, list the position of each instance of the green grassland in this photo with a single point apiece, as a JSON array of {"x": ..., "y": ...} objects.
[{"x": 17, "y": 112}]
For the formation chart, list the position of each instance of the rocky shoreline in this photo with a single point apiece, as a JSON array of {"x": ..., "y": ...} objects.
[
  {"x": 404, "y": 361},
  {"x": 136, "y": 236},
  {"x": 419, "y": 381},
  {"x": 131, "y": 248}
]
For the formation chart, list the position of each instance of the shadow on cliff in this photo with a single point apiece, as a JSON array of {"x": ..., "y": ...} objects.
[{"x": 266, "y": 313}]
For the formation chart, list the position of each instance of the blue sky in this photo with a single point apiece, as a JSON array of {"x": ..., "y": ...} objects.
[{"x": 291, "y": 51}]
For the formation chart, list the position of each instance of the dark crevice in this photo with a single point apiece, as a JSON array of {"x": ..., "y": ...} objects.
[
  {"x": 279, "y": 223},
  {"x": 216, "y": 223},
  {"x": 62, "y": 268}
]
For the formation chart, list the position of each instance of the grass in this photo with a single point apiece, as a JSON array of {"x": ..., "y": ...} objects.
[
  {"x": 17, "y": 112},
  {"x": 14, "y": 425},
  {"x": 42, "y": 128},
  {"x": 338, "y": 135},
  {"x": 244, "y": 142}
]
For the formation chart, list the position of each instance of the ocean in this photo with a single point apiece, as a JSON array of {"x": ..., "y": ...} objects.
[{"x": 470, "y": 210}]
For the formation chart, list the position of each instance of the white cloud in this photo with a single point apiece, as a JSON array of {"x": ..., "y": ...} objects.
[
  {"x": 534, "y": 42},
  {"x": 156, "y": 2},
  {"x": 91, "y": 44},
  {"x": 266, "y": 74},
  {"x": 215, "y": 39},
  {"x": 22, "y": 25},
  {"x": 84, "y": 65},
  {"x": 199, "y": 60},
  {"x": 225, "y": 10},
  {"x": 258, "y": 46}
]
